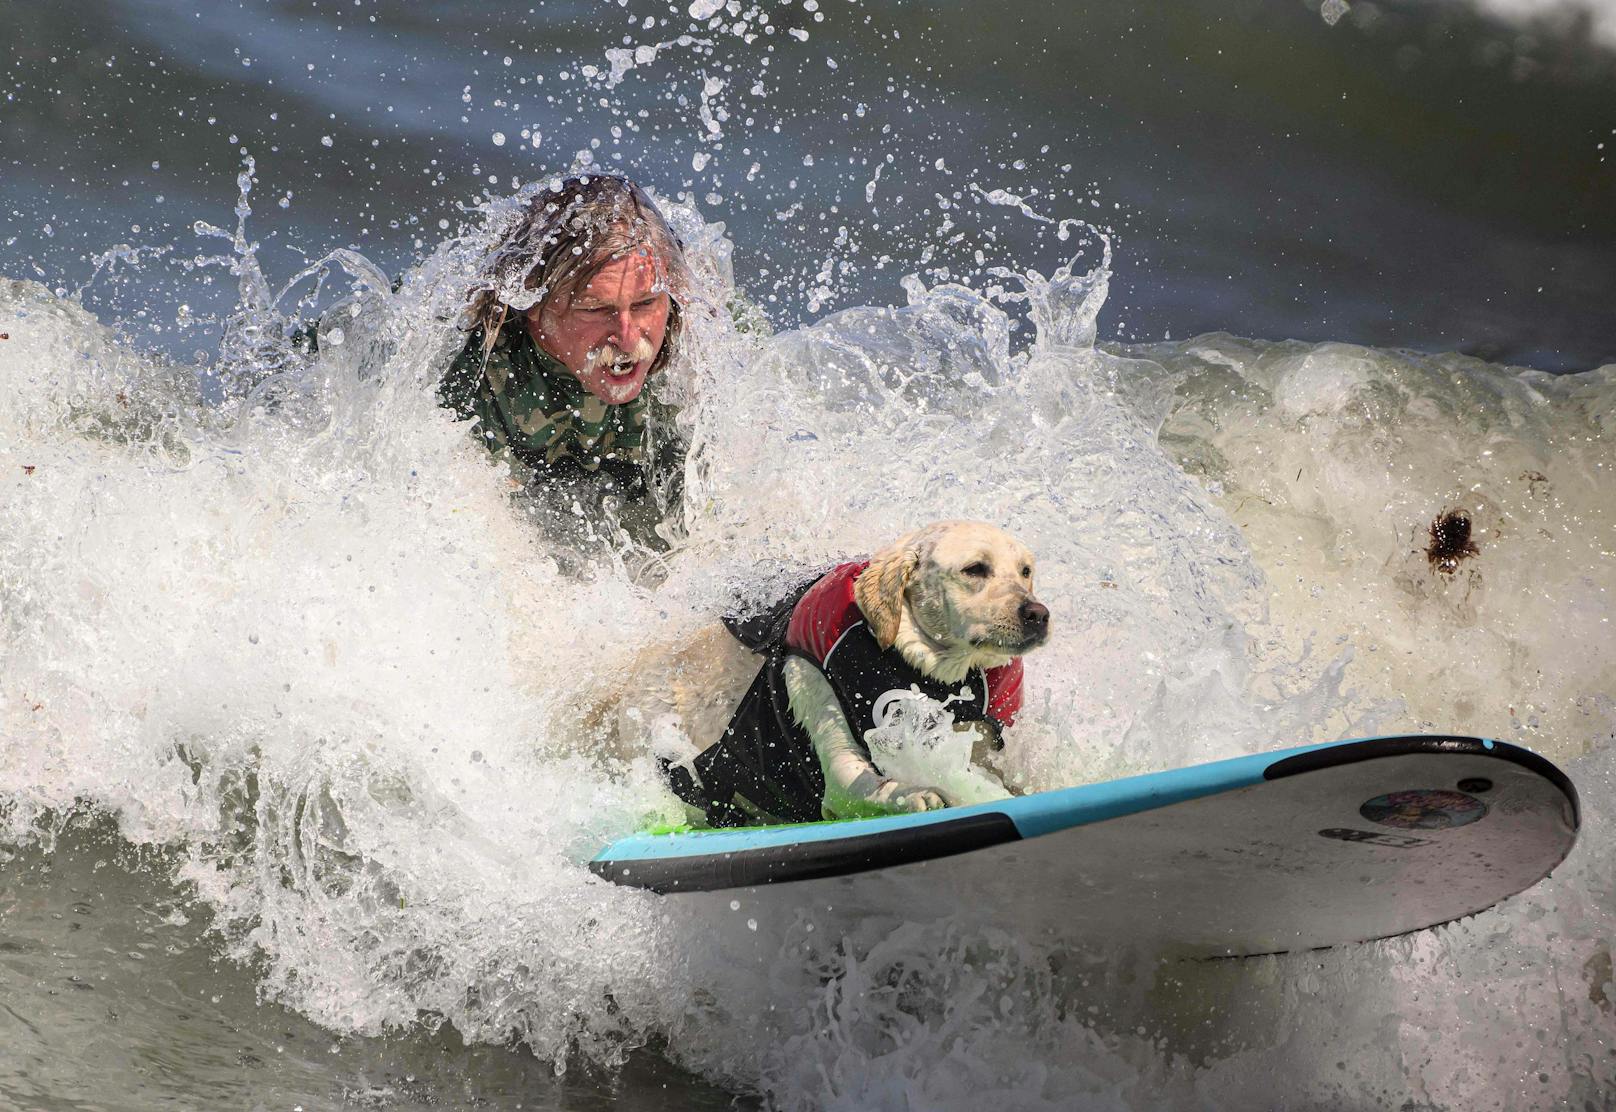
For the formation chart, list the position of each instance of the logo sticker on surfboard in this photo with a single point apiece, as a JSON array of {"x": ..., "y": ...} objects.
[
  {"x": 1423, "y": 809},
  {"x": 1397, "y": 841}
]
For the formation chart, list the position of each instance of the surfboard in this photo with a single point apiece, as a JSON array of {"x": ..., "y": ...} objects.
[{"x": 1298, "y": 849}]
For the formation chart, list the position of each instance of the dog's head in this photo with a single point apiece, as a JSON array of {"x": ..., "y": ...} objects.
[{"x": 959, "y": 590}]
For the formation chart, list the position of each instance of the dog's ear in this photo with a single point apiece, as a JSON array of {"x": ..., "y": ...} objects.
[{"x": 879, "y": 590}]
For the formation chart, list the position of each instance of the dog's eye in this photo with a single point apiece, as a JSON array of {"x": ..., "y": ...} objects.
[
  {"x": 1026, "y": 572},
  {"x": 977, "y": 570}
]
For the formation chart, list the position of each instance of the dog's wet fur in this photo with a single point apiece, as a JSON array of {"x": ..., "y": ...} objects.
[
  {"x": 953, "y": 596},
  {"x": 950, "y": 596}
]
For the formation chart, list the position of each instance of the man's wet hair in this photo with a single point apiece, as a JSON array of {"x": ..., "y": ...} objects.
[{"x": 564, "y": 236}]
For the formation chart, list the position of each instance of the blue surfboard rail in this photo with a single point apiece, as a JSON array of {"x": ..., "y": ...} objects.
[{"x": 703, "y": 860}]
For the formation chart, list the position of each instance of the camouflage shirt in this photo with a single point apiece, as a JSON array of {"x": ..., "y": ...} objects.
[
  {"x": 529, "y": 406},
  {"x": 535, "y": 413}
]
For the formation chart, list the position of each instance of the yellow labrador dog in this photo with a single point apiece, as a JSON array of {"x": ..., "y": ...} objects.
[{"x": 938, "y": 621}]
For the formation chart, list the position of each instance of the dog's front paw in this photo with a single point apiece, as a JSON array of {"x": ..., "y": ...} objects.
[
  {"x": 905, "y": 797},
  {"x": 874, "y": 796}
]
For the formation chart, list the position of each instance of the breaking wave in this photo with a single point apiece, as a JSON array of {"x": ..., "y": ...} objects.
[{"x": 284, "y": 618}]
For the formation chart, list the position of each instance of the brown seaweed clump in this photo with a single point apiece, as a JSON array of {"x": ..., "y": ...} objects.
[{"x": 1450, "y": 541}]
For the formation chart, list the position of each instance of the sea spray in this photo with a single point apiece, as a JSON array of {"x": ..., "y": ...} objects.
[{"x": 300, "y": 631}]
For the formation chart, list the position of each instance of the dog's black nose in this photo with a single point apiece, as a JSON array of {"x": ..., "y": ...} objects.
[{"x": 1034, "y": 615}]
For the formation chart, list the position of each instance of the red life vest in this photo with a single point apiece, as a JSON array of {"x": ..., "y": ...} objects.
[{"x": 828, "y": 610}]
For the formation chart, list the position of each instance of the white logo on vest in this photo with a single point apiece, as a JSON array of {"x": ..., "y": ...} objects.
[
  {"x": 892, "y": 707},
  {"x": 888, "y": 709}
]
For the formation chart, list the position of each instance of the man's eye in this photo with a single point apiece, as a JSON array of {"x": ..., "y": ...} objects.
[{"x": 976, "y": 571}]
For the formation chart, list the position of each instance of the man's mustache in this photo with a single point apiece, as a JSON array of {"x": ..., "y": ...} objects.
[{"x": 610, "y": 355}]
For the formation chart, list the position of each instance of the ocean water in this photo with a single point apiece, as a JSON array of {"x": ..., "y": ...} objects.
[{"x": 294, "y": 798}]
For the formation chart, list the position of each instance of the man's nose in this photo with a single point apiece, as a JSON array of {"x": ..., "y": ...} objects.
[{"x": 624, "y": 331}]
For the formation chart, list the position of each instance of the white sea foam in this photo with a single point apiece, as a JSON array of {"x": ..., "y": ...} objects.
[{"x": 300, "y": 630}]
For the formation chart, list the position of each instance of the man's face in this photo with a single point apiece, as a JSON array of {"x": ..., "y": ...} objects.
[{"x": 609, "y": 331}]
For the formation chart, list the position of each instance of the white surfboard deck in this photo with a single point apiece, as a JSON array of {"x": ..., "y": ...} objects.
[{"x": 1298, "y": 849}]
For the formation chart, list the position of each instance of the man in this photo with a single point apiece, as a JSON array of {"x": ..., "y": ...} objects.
[{"x": 581, "y": 305}]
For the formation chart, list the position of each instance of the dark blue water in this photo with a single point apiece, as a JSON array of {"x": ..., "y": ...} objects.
[{"x": 1412, "y": 175}]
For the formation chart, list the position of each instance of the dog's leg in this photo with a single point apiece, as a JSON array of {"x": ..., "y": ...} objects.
[
  {"x": 853, "y": 785},
  {"x": 986, "y": 746},
  {"x": 706, "y": 681},
  {"x": 673, "y": 697}
]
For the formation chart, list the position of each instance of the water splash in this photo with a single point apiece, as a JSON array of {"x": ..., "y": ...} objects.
[{"x": 302, "y": 635}]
